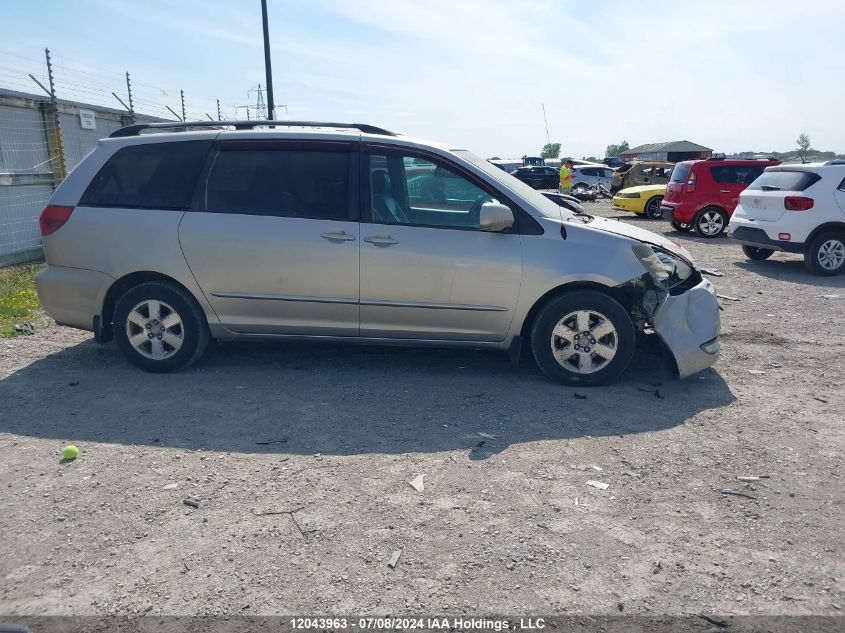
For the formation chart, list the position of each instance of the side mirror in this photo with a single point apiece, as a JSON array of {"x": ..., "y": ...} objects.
[{"x": 495, "y": 217}]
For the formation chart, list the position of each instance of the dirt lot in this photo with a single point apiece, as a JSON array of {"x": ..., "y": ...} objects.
[{"x": 300, "y": 458}]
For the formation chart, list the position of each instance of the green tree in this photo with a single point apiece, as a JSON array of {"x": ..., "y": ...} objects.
[
  {"x": 803, "y": 142},
  {"x": 616, "y": 150},
  {"x": 550, "y": 150}
]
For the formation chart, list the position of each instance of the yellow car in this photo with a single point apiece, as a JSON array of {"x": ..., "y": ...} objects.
[{"x": 642, "y": 200}]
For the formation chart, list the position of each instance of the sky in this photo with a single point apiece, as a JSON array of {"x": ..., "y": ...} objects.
[{"x": 733, "y": 75}]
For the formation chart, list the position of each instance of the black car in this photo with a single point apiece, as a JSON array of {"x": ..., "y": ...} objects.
[
  {"x": 538, "y": 177},
  {"x": 613, "y": 161}
]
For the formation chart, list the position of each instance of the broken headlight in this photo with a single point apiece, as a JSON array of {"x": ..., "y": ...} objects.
[{"x": 666, "y": 270}]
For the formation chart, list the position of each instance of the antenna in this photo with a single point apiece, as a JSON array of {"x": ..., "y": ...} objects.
[{"x": 548, "y": 138}]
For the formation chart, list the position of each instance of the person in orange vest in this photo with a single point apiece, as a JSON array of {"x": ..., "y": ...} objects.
[{"x": 566, "y": 176}]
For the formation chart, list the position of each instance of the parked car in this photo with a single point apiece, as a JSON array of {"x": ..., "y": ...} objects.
[
  {"x": 643, "y": 200},
  {"x": 590, "y": 175},
  {"x": 702, "y": 194},
  {"x": 164, "y": 240},
  {"x": 797, "y": 209},
  {"x": 641, "y": 172},
  {"x": 613, "y": 161},
  {"x": 566, "y": 201},
  {"x": 538, "y": 177}
]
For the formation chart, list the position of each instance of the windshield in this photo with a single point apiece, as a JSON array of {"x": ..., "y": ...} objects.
[
  {"x": 784, "y": 180},
  {"x": 537, "y": 200}
]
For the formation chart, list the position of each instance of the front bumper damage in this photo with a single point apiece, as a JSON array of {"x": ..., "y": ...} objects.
[{"x": 688, "y": 324}]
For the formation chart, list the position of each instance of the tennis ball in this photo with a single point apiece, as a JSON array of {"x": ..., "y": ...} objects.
[{"x": 70, "y": 452}]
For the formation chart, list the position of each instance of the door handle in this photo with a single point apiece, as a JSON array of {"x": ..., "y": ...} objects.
[
  {"x": 339, "y": 236},
  {"x": 382, "y": 239}
]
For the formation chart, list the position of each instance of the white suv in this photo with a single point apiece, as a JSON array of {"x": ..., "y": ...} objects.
[{"x": 797, "y": 209}]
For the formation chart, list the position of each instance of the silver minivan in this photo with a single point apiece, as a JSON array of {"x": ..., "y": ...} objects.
[{"x": 166, "y": 236}]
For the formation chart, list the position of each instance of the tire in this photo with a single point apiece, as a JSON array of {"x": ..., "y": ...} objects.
[
  {"x": 710, "y": 222},
  {"x": 680, "y": 226},
  {"x": 652, "y": 208},
  {"x": 597, "y": 313},
  {"x": 175, "y": 337},
  {"x": 757, "y": 254},
  {"x": 826, "y": 254}
]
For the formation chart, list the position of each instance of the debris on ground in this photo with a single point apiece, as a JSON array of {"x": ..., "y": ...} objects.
[
  {"x": 757, "y": 372},
  {"x": 417, "y": 483},
  {"x": 69, "y": 453},
  {"x": 394, "y": 558},
  {"x": 268, "y": 442},
  {"x": 658, "y": 567},
  {"x": 728, "y": 298},
  {"x": 832, "y": 297},
  {"x": 598, "y": 484},
  {"x": 712, "y": 272},
  {"x": 488, "y": 436},
  {"x": 171, "y": 486},
  {"x": 24, "y": 328},
  {"x": 753, "y": 477},
  {"x": 735, "y": 493},
  {"x": 191, "y": 502}
]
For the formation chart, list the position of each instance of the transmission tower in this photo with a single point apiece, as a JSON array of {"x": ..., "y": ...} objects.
[{"x": 260, "y": 105}]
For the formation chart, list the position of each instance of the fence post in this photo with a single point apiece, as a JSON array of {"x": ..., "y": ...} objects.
[{"x": 53, "y": 127}]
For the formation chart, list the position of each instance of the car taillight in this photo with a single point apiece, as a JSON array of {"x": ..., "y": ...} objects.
[
  {"x": 53, "y": 218},
  {"x": 797, "y": 203},
  {"x": 691, "y": 183}
]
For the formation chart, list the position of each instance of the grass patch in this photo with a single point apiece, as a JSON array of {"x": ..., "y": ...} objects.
[{"x": 18, "y": 299}]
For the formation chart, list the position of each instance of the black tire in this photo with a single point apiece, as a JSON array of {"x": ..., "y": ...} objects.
[
  {"x": 599, "y": 307},
  {"x": 680, "y": 226},
  {"x": 757, "y": 254},
  {"x": 825, "y": 255},
  {"x": 652, "y": 208},
  {"x": 190, "y": 334},
  {"x": 710, "y": 222}
]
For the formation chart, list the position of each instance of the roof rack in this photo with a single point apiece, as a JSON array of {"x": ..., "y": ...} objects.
[{"x": 135, "y": 130}]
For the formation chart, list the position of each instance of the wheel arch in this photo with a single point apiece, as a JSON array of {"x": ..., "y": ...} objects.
[
  {"x": 834, "y": 227},
  {"x": 622, "y": 294},
  {"x": 122, "y": 285}
]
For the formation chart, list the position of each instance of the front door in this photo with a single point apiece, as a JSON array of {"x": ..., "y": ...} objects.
[
  {"x": 274, "y": 246},
  {"x": 427, "y": 270}
]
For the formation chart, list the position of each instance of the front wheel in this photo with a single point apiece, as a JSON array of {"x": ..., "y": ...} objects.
[
  {"x": 757, "y": 254},
  {"x": 826, "y": 254},
  {"x": 583, "y": 338},
  {"x": 680, "y": 226},
  {"x": 159, "y": 327},
  {"x": 710, "y": 222},
  {"x": 652, "y": 208}
]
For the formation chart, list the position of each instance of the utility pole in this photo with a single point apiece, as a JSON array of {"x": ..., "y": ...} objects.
[
  {"x": 219, "y": 116},
  {"x": 271, "y": 106}
]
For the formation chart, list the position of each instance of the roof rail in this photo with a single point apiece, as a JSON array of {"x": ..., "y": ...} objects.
[
  {"x": 717, "y": 156},
  {"x": 838, "y": 161},
  {"x": 135, "y": 130}
]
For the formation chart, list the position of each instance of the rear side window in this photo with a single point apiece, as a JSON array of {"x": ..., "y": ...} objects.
[
  {"x": 151, "y": 176},
  {"x": 681, "y": 172},
  {"x": 784, "y": 180},
  {"x": 290, "y": 183},
  {"x": 736, "y": 174}
]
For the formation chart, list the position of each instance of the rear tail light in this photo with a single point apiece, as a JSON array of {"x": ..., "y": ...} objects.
[
  {"x": 53, "y": 218},
  {"x": 691, "y": 183},
  {"x": 797, "y": 203}
]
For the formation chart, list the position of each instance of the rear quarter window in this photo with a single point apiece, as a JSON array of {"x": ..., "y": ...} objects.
[
  {"x": 736, "y": 174},
  {"x": 681, "y": 172},
  {"x": 785, "y": 180},
  {"x": 151, "y": 176}
]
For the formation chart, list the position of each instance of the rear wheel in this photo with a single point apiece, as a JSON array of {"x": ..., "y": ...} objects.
[
  {"x": 680, "y": 226},
  {"x": 652, "y": 208},
  {"x": 583, "y": 338},
  {"x": 159, "y": 327},
  {"x": 710, "y": 222},
  {"x": 826, "y": 254},
  {"x": 758, "y": 254}
]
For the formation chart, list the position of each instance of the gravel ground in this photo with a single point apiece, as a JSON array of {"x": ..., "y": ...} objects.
[{"x": 299, "y": 457}]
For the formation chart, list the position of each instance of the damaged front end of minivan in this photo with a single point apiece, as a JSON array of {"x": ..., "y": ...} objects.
[{"x": 674, "y": 301}]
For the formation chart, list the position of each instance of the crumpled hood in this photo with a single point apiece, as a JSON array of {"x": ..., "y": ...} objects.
[{"x": 641, "y": 235}]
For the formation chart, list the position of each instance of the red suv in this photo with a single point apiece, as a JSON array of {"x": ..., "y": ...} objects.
[{"x": 702, "y": 194}]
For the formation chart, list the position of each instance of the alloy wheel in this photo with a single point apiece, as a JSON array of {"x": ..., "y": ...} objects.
[
  {"x": 155, "y": 329},
  {"x": 831, "y": 254},
  {"x": 584, "y": 341},
  {"x": 711, "y": 223}
]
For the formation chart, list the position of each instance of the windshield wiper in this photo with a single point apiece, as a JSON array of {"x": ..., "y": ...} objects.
[{"x": 769, "y": 188}]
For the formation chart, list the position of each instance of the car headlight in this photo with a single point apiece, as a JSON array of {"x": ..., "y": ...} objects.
[
  {"x": 629, "y": 195},
  {"x": 665, "y": 269}
]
